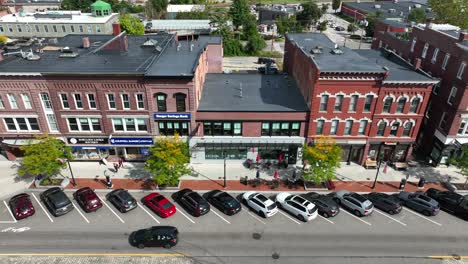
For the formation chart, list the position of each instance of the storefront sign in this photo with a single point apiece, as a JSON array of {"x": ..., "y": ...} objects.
[
  {"x": 171, "y": 116},
  {"x": 131, "y": 141},
  {"x": 87, "y": 141}
]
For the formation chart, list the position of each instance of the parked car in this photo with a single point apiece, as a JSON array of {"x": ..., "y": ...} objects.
[
  {"x": 356, "y": 203},
  {"x": 264, "y": 206},
  {"x": 263, "y": 60},
  {"x": 297, "y": 205},
  {"x": 420, "y": 203},
  {"x": 159, "y": 204},
  {"x": 193, "y": 202},
  {"x": 122, "y": 200},
  {"x": 156, "y": 236},
  {"x": 385, "y": 202},
  {"x": 449, "y": 201},
  {"x": 87, "y": 199},
  {"x": 273, "y": 69},
  {"x": 224, "y": 202},
  {"x": 356, "y": 37},
  {"x": 340, "y": 28},
  {"x": 21, "y": 206},
  {"x": 56, "y": 201},
  {"x": 325, "y": 204}
]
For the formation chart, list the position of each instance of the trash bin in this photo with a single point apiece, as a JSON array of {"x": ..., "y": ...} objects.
[
  {"x": 421, "y": 182},
  {"x": 402, "y": 184}
]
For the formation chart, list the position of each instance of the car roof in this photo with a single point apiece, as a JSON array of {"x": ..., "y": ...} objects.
[
  {"x": 163, "y": 229},
  {"x": 123, "y": 194},
  {"x": 59, "y": 198},
  {"x": 358, "y": 197}
]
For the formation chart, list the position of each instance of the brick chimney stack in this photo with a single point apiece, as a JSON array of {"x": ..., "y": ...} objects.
[
  {"x": 417, "y": 64},
  {"x": 116, "y": 29},
  {"x": 463, "y": 36}
]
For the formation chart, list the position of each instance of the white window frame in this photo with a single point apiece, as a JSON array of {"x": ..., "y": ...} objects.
[
  {"x": 124, "y": 123},
  {"x": 125, "y": 101},
  {"x": 452, "y": 95},
  {"x": 109, "y": 101},
  {"x": 413, "y": 44},
  {"x": 62, "y": 101},
  {"x": 54, "y": 121},
  {"x": 90, "y": 124},
  {"x": 2, "y": 104},
  {"x": 351, "y": 122},
  {"x": 444, "y": 114},
  {"x": 362, "y": 129},
  {"x": 26, "y": 101},
  {"x": 17, "y": 126},
  {"x": 138, "y": 101},
  {"x": 89, "y": 100},
  {"x": 334, "y": 127},
  {"x": 44, "y": 104},
  {"x": 322, "y": 122},
  {"x": 340, "y": 103},
  {"x": 463, "y": 127},
  {"x": 461, "y": 69},
  {"x": 353, "y": 104},
  {"x": 445, "y": 62},
  {"x": 12, "y": 100},
  {"x": 324, "y": 102},
  {"x": 76, "y": 100},
  {"x": 98, "y": 29},
  {"x": 424, "y": 51},
  {"x": 434, "y": 55}
]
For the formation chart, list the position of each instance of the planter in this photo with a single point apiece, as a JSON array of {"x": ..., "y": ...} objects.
[
  {"x": 313, "y": 186},
  {"x": 167, "y": 187},
  {"x": 46, "y": 184}
]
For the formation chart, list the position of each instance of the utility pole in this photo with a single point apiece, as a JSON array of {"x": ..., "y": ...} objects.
[
  {"x": 379, "y": 162},
  {"x": 225, "y": 182}
]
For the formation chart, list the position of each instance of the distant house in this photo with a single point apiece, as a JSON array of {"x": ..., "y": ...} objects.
[
  {"x": 173, "y": 10},
  {"x": 269, "y": 14},
  {"x": 179, "y": 26},
  {"x": 392, "y": 10},
  {"x": 14, "y": 6}
]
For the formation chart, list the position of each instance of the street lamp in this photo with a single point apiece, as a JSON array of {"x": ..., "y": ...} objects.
[
  {"x": 224, "y": 156},
  {"x": 379, "y": 161},
  {"x": 69, "y": 167}
]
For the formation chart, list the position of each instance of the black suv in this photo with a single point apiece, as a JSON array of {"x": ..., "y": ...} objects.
[
  {"x": 156, "y": 236},
  {"x": 385, "y": 202},
  {"x": 193, "y": 202},
  {"x": 224, "y": 202},
  {"x": 56, "y": 201},
  {"x": 121, "y": 199},
  {"x": 449, "y": 201},
  {"x": 263, "y": 60}
]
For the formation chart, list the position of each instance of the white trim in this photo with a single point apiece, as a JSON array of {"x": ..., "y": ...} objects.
[
  {"x": 61, "y": 101},
  {"x": 26, "y": 95},
  {"x": 26, "y": 119},
  {"x": 416, "y": 96},
  {"x": 434, "y": 55},
  {"x": 123, "y": 101},
  {"x": 89, "y": 101},
  {"x": 12, "y": 100},
  {"x": 461, "y": 70},
  {"x": 391, "y": 96},
  {"x": 370, "y": 93},
  {"x": 404, "y": 96},
  {"x": 129, "y": 116},
  {"x": 445, "y": 61},
  {"x": 19, "y": 115},
  {"x": 135, "y": 122},
  {"x": 80, "y": 116},
  {"x": 351, "y": 118},
  {"x": 396, "y": 120},
  {"x": 108, "y": 102},
  {"x": 90, "y": 124},
  {"x": 367, "y": 119},
  {"x": 136, "y": 99},
  {"x": 412, "y": 121},
  {"x": 319, "y": 95},
  {"x": 386, "y": 121},
  {"x": 450, "y": 95},
  {"x": 76, "y": 101}
]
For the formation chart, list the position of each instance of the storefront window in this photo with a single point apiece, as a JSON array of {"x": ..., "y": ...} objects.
[
  {"x": 89, "y": 153},
  {"x": 226, "y": 129},
  {"x": 284, "y": 129},
  {"x": 295, "y": 129},
  {"x": 169, "y": 128},
  {"x": 207, "y": 129},
  {"x": 237, "y": 129},
  {"x": 129, "y": 124},
  {"x": 275, "y": 129},
  {"x": 265, "y": 129},
  {"x": 222, "y": 128}
]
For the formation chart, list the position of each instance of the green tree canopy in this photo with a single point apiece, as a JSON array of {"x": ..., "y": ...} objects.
[
  {"x": 324, "y": 8},
  {"x": 287, "y": 24},
  {"x": 352, "y": 27},
  {"x": 155, "y": 9},
  {"x": 454, "y": 12},
  {"x": 231, "y": 44},
  {"x": 255, "y": 42},
  {"x": 324, "y": 158},
  {"x": 417, "y": 15},
  {"x": 239, "y": 12},
  {"x": 131, "y": 24},
  {"x": 193, "y": 15},
  {"x": 82, "y": 5},
  {"x": 310, "y": 14},
  {"x": 322, "y": 26},
  {"x": 168, "y": 160},
  {"x": 462, "y": 162},
  {"x": 371, "y": 21},
  {"x": 45, "y": 157},
  {"x": 336, "y": 4}
]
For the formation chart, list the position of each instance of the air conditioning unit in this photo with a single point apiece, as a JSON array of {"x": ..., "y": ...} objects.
[
  {"x": 417, "y": 5},
  {"x": 394, "y": 128},
  {"x": 377, "y": 6}
]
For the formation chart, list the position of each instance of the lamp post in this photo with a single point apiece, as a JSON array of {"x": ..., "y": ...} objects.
[
  {"x": 379, "y": 161},
  {"x": 224, "y": 156}
]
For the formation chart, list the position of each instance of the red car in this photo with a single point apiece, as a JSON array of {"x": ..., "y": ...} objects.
[
  {"x": 21, "y": 206},
  {"x": 87, "y": 199},
  {"x": 159, "y": 204}
]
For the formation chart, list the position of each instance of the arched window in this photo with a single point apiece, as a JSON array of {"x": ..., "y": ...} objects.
[
  {"x": 394, "y": 129},
  {"x": 381, "y": 129},
  {"x": 407, "y": 129},
  {"x": 401, "y": 105},
  {"x": 387, "y": 104},
  {"x": 161, "y": 101},
  {"x": 180, "y": 102},
  {"x": 414, "y": 105}
]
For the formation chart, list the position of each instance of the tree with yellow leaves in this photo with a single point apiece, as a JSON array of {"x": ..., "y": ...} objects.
[
  {"x": 324, "y": 158},
  {"x": 168, "y": 160}
]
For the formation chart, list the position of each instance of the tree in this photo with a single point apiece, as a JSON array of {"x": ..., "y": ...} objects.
[
  {"x": 3, "y": 39},
  {"x": 46, "y": 157},
  {"x": 336, "y": 4},
  {"x": 462, "y": 162},
  {"x": 255, "y": 42},
  {"x": 131, "y": 24},
  {"x": 287, "y": 24},
  {"x": 371, "y": 20},
  {"x": 239, "y": 12},
  {"x": 193, "y": 15},
  {"x": 310, "y": 14},
  {"x": 324, "y": 158},
  {"x": 82, "y": 5},
  {"x": 168, "y": 160},
  {"x": 417, "y": 15},
  {"x": 322, "y": 26},
  {"x": 155, "y": 9},
  {"x": 352, "y": 27},
  {"x": 324, "y": 8},
  {"x": 454, "y": 12}
]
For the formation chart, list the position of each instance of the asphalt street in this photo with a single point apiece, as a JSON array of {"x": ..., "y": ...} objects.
[{"x": 217, "y": 238}]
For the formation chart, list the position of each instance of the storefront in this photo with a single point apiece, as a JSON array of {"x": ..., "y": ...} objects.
[
  {"x": 169, "y": 124},
  {"x": 390, "y": 151},
  {"x": 11, "y": 147},
  {"x": 352, "y": 153},
  {"x": 89, "y": 148},
  {"x": 132, "y": 148},
  {"x": 441, "y": 153}
]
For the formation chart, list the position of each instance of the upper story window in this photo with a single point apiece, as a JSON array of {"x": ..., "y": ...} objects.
[
  {"x": 1, "y": 28},
  {"x": 401, "y": 105},
  {"x": 368, "y": 103},
  {"x": 414, "y": 105},
  {"x": 180, "y": 102},
  {"x": 161, "y": 102},
  {"x": 26, "y": 101},
  {"x": 84, "y": 124},
  {"x": 125, "y": 101},
  {"x": 129, "y": 125},
  {"x": 37, "y": 28},
  {"x": 394, "y": 129},
  {"x": 387, "y": 105},
  {"x": 12, "y": 100},
  {"x": 407, "y": 129},
  {"x": 281, "y": 128},
  {"x": 353, "y": 103},
  {"x": 140, "y": 101},
  {"x": 221, "y": 128},
  {"x": 92, "y": 101},
  {"x": 334, "y": 127},
  {"x": 170, "y": 128},
  {"x": 453, "y": 94},
  {"x": 80, "y": 27},
  {"x": 46, "y": 101},
  {"x": 54, "y": 27},
  {"x": 46, "y": 28},
  {"x": 18, "y": 27},
  {"x": 443, "y": 120},
  {"x": 434, "y": 55},
  {"x": 381, "y": 129},
  {"x": 111, "y": 101},
  {"x": 413, "y": 44},
  {"x": 72, "y": 28},
  {"x": 324, "y": 102},
  {"x": 2, "y": 104},
  {"x": 461, "y": 69},
  {"x": 90, "y": 29},
  {"x": 21, "y": 124},
  {"x": 424, "y": 51},
  {"x": 362, "y": 127},
  {"x": 348, "y": 127},
  {"x": 463, "y": 127},
  {"x": 64, "y": 99},
  {"x": 319, "y": 128},
  {"x": 338, "y": 103},
  {"x": 445, "y": 62},
  {"x": 64, "y": 29},
  {"x": 98, "y": 28},
  {"x": 78, "y": 101},
  {"x": 435, "y": 89}
]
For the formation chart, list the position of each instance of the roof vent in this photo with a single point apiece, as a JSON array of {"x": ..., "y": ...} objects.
[
  {"x": 316, "y": 51},
  {"x": 149, "y": 43},
  {"x": 391, "y": 10},
  {"x": 69, "y": 55},
  {"x": 66, "y": 50},
  {"x": 377, "y": 6},
  {"x": 336, "y": 51},
  {"x": 417, "y": 5}
]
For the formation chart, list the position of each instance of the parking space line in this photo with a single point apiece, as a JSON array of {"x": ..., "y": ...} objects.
[
  {"x": 331, "y": 222},
  {"x": 220, "y": 216},
  {"x": 290, "y": 218},
  {"x": 43, "y": 209},
  {"x": 432, "y": 221},
  {"x": 179, "y": 211},
  {"x": 9, "y": 210},
  {"x": 102, "y": 200},
  {"x": 367, "y": 223},
  {"x": 148, "y": 213},
  {"x": 258, "y": 219},
  {"x": 398, "y": 221},
  {"x": 79, "y": 211}
]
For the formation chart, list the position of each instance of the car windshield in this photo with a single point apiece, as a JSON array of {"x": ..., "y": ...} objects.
[
  {"x": 272, "y": 206},
  {"x": 312, "y": 210},
  {"x": 24, "y": 209},
  {"x": 425, "y": 198},
  {"x": 166, "y": 205},
  {"x": 231, "y": 203},
  {"x": 129, "y": 202},
  {"x": 125, "y": 196},
  {"x": 358, "y": 197}
]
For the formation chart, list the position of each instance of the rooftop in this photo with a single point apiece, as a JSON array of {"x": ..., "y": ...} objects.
[
  {"x": 30, "y": 2},
  {"x": 55, "y": 17},
  {"x": 173, "y": 24},
  {"x": 260, "y": 93},
  {"x": 390, "y": 9}
]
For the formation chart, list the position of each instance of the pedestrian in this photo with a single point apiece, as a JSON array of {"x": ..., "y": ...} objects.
[
  {"x": 116, "y": 167},
  {"x": 258, "y": 174},
  {"x": 120, "y": 163}
]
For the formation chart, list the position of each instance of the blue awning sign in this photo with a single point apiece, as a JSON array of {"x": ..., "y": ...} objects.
[
  {"x": 131, "y": 141},
  {"x": 171, "y": 115}
]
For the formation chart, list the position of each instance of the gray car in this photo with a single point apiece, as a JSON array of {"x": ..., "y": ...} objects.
[
  {"x": 354, "y": 202},
  {"x": 420, "y": 203}
]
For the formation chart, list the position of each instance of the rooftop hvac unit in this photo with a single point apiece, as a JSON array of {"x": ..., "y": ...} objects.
[
  {"x": 417, "y": 5},
  {"x": 391, "y": 10},
  {"x": 377, "y": 6}
]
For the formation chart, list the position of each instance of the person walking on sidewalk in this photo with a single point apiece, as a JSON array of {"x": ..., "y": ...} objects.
[
  {"x": 116, "y": 167},
  {"x": 120, "y": 163}
]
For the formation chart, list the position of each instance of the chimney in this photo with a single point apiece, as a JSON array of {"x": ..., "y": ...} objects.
[
  {"x": 463, "y": 36},
  {"x": 86, "y": 43},
  {"x": 429, "y": 23},
  {"x": 417, "y": 64},
  {"x": 116, "y": 29}
]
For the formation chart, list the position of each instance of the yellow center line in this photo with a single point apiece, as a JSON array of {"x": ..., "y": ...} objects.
[{"x": 96, "y": 254}]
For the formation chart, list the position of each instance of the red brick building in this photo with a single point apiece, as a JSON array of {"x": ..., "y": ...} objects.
[
  {"x": 443, "y": 52},
  {"x": 366, "y": 100}
]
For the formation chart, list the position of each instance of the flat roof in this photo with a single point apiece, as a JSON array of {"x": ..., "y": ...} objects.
[
  {"x": 260, "y": 93},
  {"x": 385, "y": 6},
  {"x": 56, "y": 17},
  {"x": 174, "y": 24}
]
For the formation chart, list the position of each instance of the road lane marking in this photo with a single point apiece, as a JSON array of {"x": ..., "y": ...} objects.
[
  {"x": 93, "y": 254},
  {"x": 290, "y": 218},
  {"x": 432, "y": 221},
  {"x": 367, "y": 223},
  {"x": 84, "y": 217},
  {"x": 179, "y": 211},
  {"x": 43, "y": 209},
  {"x": 398, "y": 221},
  {"x": 220, "y": 216},
  {"x": 449, "y": 257},
  {"x": 331, "y": 222},
  {"x": 148, "y": 213},
  {"x": 16, "y": 230},
  {"x": 9, "y": 210},
  {"x": 258, "y": 219},
  {"x": 102, "y": 200}
]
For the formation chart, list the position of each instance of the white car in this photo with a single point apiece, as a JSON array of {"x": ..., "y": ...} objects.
[
  {"x": 265, "y": 207},
  {"x": 298, "y": 206}
]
